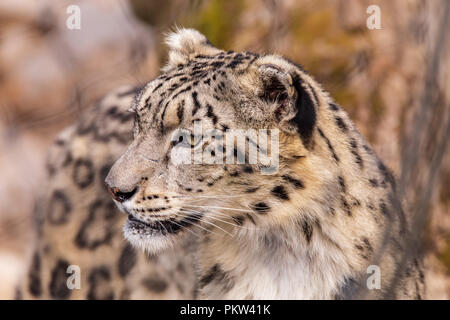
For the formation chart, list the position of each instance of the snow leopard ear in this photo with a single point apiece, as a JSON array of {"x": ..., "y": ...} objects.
[
  {"x": 185, "y": 44},
  {"x": 285, "y": 88}
]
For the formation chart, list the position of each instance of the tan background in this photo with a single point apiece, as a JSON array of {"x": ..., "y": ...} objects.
[{"x": 48, "y": 74}]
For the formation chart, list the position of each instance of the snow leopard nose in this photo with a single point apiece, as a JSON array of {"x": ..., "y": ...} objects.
[{"x": 120, "y": 195}]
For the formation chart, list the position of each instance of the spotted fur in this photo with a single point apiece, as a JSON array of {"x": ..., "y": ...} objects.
[
  {"x": 78, "y": 223},
  {"x": 308, "y": 231}
]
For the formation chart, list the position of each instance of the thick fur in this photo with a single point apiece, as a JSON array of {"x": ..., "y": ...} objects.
[
  {"x": 78, "y": 224},
  {"x": 308, "y": 231}
]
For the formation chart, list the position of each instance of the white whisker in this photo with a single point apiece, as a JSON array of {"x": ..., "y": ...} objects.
[
  {"x": 212, "y": 213},
  {"x": 215, "y": 226},
  {"x": 185, "y": 228},
  {"x": 211, "y": 222},
  {"x": 162, "y": 225},
  {"x": 217, "y": 207},
  {"x": 206, "y": 196},
  {"x": 235, "y": 224},
  {"x": 197, "y": 225}
]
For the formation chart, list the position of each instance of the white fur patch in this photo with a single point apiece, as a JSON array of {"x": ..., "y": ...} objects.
[
  {"x": 185, "y": 43},
  {"x": 151, "y": 244},
  {"x": 186, "y": 40}
]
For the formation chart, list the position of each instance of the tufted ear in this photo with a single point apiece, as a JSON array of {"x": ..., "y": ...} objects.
[
  {"x": 287, "y": 89},
  {"x": 184, "y": 44}
]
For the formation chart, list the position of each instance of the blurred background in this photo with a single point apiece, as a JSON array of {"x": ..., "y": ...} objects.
[{"x": 394, "y": 82}]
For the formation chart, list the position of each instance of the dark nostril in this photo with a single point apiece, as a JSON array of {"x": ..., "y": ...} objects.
[{"x": 119, "y": 195}]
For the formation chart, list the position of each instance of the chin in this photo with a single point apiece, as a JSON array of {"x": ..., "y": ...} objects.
[
  {"x": 155, "y": 236},
  {"x": 151, "y": 238}
]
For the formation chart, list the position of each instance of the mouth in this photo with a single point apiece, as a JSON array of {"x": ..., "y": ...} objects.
[{"x": 161, "y": 227}]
